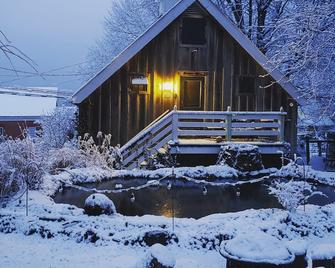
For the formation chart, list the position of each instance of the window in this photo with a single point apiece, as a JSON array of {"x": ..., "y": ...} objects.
[
  {"x": 2, "y": 131},
  {"x": 193, "y": 31},
  {"x": 246, "y": 85}
]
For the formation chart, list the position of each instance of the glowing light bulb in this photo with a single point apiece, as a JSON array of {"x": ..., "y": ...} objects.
[
  {"x": 169, "y": 185},
  {"x": 238, "y": 192},
  {"x": 132, "y": 197},
  {"x": 204, "y": 190}
]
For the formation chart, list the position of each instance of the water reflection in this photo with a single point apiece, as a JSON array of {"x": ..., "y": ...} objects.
[{"x": 186, "y": 198}]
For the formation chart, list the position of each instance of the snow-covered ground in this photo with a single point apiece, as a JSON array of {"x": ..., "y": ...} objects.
[
  {"x": 60, "y": 235},
  {"x": 17, "y": 250}
]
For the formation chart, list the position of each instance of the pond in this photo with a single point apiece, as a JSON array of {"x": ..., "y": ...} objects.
[{"x": 185, "y": 198}]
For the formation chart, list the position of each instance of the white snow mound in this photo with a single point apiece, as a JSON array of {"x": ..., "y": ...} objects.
[
  {"x": 163, "y": 255},
  {"x": 324, "y": 251},
  {"x": 257, "y": 247},
  {"x": 99, "y": 200}
]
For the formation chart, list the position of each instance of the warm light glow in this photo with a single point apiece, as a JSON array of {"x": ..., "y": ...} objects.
[{"x": 167, "y": 86}]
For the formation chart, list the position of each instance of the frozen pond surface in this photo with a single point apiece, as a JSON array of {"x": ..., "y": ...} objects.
[{"x": 186, "y": 199}]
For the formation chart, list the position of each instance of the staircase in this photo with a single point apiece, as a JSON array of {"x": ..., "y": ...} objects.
[{"x": 199, "y": 128}]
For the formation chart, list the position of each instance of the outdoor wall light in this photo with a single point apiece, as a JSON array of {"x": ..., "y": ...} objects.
[
  {"x": 140, "y": 80},
  {"x": 167, "y": 89}
]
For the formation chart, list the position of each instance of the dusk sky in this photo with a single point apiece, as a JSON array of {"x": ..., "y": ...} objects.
[{"x": 54, "y": 33}]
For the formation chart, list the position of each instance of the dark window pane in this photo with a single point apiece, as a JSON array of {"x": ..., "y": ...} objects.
[{"x": 193, "y": 31}]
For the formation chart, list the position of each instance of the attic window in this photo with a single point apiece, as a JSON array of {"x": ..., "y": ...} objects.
[
  {"x": 246, "y": 85},
  {"x": 193, "y": 31},
  {"x": 2, "y": 131}
]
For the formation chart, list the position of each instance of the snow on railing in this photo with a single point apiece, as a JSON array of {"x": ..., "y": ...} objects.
[{"x": 229, "y": 125}]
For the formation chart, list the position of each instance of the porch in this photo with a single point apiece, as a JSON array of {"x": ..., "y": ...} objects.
[{"x": 204, "y": 132}]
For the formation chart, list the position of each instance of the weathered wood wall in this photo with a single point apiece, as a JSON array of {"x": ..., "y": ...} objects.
[{"x": 114, "y": 107}]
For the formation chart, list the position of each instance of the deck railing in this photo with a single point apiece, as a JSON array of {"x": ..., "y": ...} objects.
[{"x": 226, "y": 126}]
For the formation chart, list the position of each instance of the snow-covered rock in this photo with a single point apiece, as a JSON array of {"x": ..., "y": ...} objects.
[
  {"x": 243, "y": 157},
  {"x": 159, "y": 237},
  {"x": 159, "y": 256},
  {"x": 256, "y": 247},
  {"x": 97, "y": 204}
]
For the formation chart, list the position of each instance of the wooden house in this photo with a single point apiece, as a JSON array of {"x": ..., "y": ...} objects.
[{"x": 195, "y": 59}]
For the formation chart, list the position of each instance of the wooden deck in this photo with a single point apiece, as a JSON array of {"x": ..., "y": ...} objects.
[{"x": 204, "y": 132}]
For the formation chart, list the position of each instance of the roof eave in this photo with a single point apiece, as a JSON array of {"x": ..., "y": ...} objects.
[{"x": 97, "y": 80}]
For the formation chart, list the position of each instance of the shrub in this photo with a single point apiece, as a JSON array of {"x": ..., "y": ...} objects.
[
  {"x": 20, "y": 161},
  {"x": 291, "y": 194},
  {"x": 57, "y": 128}
]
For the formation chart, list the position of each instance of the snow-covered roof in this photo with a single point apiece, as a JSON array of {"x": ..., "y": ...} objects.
[
  {"x": 15, "y": 107},
  {"x": 160, "y": 25}
]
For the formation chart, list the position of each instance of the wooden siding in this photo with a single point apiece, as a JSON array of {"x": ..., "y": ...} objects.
[{"x": 114, "y": 108}]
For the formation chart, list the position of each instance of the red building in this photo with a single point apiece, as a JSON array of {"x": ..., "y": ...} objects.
[{"x": 19, "y": 114}]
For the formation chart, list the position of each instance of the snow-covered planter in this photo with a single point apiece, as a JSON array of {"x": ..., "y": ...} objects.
[
  {"x": 160, "y": 257},
  {"x": 243, "y": 157},
  {"x": 98, "y": 204},
  {"x": 321, "y": 255},
  {"x": 255, "y": 247}
]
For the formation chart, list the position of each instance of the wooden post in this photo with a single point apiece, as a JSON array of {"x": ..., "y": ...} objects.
[
  {"x": 229, "y": 124},
  {"x": 282, "y": 126},
  {"x": 175, "y": 124},
  {"x": 308, "y": 157}
]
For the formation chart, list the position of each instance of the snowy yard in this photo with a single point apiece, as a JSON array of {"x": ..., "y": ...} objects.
[{"x": 62, "y": 235}]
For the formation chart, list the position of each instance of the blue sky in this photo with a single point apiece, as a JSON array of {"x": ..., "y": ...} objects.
[{"x": 54, "y": 33}]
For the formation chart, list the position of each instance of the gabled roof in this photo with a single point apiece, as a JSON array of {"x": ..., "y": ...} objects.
[
  {"x": 26, "y": 106},
  {"x": 160, "y": 25}
]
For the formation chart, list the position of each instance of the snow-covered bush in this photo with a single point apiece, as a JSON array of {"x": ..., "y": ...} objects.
[
  {"x": 67, "y": 157},
  {"x": 102, "y": 154},
  {"x": 57, "y": 128},
  {"x": 20, "y": 161},
  {"x": 291, "y": 194},
  {"x": 161, "y": 159}
]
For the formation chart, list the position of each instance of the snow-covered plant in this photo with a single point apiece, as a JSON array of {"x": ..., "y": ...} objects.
[
  {"x": 101, "y": 154},
  {"x": 291, "y": 194},
  {"x": 20, "y": 162},
  {"x": 67, "y": 157},
  {"x": 161, "y": 159},
  {"x": 57, "y": 128}
]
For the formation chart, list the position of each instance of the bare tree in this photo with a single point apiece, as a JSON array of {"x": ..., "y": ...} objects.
[
  {"x": 125, "y": 21},
  {"x": 256, "y": 18},
  {"x": 302, "y": 45},
  {"x": 13, "y": 54}
]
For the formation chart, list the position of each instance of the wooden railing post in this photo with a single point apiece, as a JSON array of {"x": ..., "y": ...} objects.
[
  {"x": 229, "y": 118},
  {"x": 175, "y": 124},
  {"x": 282, "y": 126}
]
